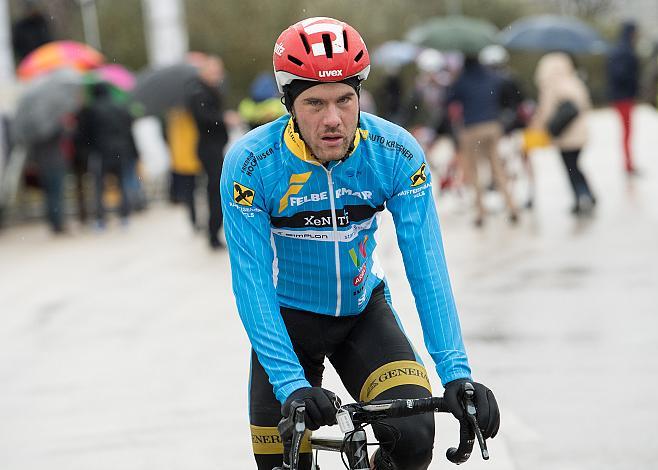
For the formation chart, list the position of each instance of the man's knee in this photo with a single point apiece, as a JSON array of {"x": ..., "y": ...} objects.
[{"x": 413, "y": 448}]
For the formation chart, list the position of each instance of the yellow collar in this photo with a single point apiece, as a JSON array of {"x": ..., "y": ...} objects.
[{"x": 299, "y": 148}]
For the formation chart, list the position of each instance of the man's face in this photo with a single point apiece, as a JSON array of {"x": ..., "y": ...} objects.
[
  {"x": 212, "y": 71},
  {"x": 327, "y": 116}
]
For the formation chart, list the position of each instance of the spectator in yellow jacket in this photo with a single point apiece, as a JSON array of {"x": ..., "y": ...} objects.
[{"x": 182, "y": 136}]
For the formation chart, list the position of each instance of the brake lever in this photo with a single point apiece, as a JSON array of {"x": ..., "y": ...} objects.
[{"x": 469, "y": 408}]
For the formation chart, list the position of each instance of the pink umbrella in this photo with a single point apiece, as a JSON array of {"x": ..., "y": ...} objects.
[
  {"x": 117, "y": 75},
  {"x": 58, "y": 54}
]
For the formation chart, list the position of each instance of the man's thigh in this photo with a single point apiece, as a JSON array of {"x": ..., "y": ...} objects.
[
  {"x": 377, "y": 355},
  {"x": 377, "y": 361}
]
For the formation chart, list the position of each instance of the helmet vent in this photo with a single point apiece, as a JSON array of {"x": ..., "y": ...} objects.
[
  {"x": 307, "y": 46},
  {"x": 295, "y": 60},
  {"x": 358, "y": 56},
  {"x": 345, "y": 40},
  {"x": 326, "y": 39}
]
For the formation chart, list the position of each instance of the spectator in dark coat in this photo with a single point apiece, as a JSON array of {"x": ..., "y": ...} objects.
[
  {"x": 205, "y": 103},
  {"x": 30, "y": 31},
  {"x": 107, "y": 126},
  {"x": 478, "y": 90},
  {"x": 623, "y": 84}
]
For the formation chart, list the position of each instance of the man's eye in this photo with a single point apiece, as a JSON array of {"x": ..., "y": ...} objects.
[{"x": 345, "y": 99}]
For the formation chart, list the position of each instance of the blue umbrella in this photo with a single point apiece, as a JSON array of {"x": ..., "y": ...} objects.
[{"x": 545, "y": 33}]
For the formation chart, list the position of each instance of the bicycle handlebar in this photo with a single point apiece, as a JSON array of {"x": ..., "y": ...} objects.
[{"x": 292, "y": 428}]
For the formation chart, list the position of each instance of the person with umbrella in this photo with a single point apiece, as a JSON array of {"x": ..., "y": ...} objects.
[
  {"x": 623, "y": 85},
  {"x": 107, "y": 126},
  {"x": 42, "y": 121}
]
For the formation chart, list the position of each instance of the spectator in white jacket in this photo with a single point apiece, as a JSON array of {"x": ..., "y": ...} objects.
[{"x": 558, "y": 83}]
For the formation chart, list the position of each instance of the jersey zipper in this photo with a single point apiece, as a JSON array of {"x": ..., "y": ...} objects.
[{"x": 334, "y": 222}]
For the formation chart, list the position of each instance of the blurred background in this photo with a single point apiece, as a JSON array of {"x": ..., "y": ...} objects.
[{"x": 120, "y": 344}]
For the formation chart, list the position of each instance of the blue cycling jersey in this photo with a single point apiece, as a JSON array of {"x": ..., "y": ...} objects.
[{"x": 302, "y": 235}]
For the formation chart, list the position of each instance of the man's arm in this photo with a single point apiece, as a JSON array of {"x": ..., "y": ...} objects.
[
  {"x": 419, "y": 238},
  {"x": 247, "y": 228}
]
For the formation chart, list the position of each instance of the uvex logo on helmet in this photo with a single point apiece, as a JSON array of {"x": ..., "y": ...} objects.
[
  {"x": 330, "y": 73},
  {"x": 320, "y": 49}
]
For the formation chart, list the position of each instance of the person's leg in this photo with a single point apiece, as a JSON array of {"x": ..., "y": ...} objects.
[
  {"x": 213, "y": 167},
  {"x": 81, "y": 200},
  {"x": 53, "y": 181},
  {"x": 625, "y": 109},
  {"x": 311, "y": 335},
  {"x": 370, "y": 371},
  {"x": 576, "y": 176},
  {"x": 264, "y": 415},
  {"x": 490, "y": 146},
  {"x": 187, "y": 184},
  {"x": 469, "y": 149},
  {"x": 124, "y": 176},
  {"x": 97, "y": 171},
  {"x": 570, "y": 159}
]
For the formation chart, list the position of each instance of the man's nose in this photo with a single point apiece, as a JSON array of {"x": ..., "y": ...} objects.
[{"x": 331, "y": 116}]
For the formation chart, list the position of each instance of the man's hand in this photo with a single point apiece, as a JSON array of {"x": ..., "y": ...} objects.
[
  {"x": 320, "y": 406},
  {"x": 487, "y": 412}
]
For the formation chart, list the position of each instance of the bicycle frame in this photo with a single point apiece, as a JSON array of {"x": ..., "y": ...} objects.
[{"x": 356, "y": 449}]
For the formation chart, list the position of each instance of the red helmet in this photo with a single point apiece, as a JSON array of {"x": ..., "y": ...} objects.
[{"x": 320, "y": 49}]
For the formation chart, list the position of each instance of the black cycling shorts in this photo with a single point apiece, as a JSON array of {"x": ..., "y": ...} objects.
[{"x": 373, "y": 358}]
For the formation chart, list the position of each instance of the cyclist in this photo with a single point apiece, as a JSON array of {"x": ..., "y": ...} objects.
[{"x": 301, "y": 197}]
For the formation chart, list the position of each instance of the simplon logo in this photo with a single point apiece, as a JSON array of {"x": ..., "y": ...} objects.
[{"x": 294, "y": 186}]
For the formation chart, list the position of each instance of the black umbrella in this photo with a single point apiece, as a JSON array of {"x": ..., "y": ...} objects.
[
  {"x": 159, "y": 90},
  {"x": 545, "y": 33},
  {"x": 43, "y": 104}
]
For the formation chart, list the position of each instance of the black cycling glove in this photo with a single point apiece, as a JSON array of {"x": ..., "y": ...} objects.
[
  {"x": 320, "y": 406},
  {"x": 487, "y": 413}
]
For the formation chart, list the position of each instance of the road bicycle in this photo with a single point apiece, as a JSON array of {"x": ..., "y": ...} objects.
[{"x": 353, "y": 417}]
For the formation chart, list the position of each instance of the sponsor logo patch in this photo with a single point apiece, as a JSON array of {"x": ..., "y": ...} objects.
[
  {"x": 330, "y": 73},
  {"x": 419, "y": 177},
  {"x": 243, "y": 195},
  {"x": 295, "y": 185},
  {"x": 360, "y": 260},
  {"x": 392, "y": 144},
  {"x": 391, "y": 375},
  {"x": 266, "y": 441}
]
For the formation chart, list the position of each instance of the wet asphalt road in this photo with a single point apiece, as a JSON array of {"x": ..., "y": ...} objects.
[{"x": 123, "y": 350}]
